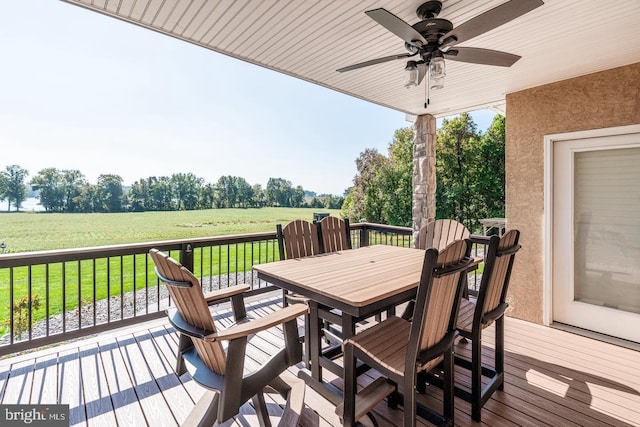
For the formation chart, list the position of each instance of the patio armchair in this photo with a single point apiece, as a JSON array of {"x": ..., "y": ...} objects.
[
  {"x": 336, "y": 234},
  {"x": 298, "y": 239},
  {"x": 399, "y": 349},
  {"x": 221, "y": 372},
  {"x": 438, "y": 234},
  {"x": 488, "y": 308},
  {"x": 441, "y": 232}
]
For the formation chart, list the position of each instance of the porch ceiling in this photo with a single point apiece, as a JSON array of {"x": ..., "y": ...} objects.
[{"x": 311, "y": 39}]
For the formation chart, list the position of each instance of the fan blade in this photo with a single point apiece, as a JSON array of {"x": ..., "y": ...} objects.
[
  {"x": 481, "y": 56},
  {"x": 489, "y": 20},
  {"x": 397, "y": 26},
  {"x": 374, "y": 62},
  {"x": 422, "y": 71}
]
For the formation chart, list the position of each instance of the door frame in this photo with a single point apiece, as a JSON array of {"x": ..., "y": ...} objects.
[{"x": 549, "y": 140}]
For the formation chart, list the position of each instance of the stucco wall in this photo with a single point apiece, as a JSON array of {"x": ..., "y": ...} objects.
[{"x": 601, "y": 100}]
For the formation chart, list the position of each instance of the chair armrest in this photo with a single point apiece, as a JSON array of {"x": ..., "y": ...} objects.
[
  {"x": 478, "y": 238},
  {"x": 221, "y": 294},
  {"x": 284, "y": 315}
]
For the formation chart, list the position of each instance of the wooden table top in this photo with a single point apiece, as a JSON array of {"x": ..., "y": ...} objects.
[{"x": 356, "y": 277}]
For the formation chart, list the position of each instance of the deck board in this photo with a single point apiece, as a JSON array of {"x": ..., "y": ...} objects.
[
  {"x": 127, "y": 408},
  {"x": 45, "y": 380},
  {"x": 126, "y": 377},
  {"x": 98, "y": 405},
  {"x": 18, "y": 387},
  {"x": 70, "y": 386},
  {"x": 145, "y": 384}
]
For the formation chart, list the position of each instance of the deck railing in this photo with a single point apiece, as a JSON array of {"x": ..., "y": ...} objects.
[{"x": 65, "y": 294}]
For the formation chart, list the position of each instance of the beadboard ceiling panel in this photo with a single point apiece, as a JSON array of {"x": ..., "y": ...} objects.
[{"x": 311, "y": 39}]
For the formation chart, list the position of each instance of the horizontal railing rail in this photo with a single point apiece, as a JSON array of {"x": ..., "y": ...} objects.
[{"x": 53, "y": 296}]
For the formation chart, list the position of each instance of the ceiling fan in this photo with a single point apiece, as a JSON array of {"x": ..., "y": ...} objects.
[{"x": 433, "y": 39}]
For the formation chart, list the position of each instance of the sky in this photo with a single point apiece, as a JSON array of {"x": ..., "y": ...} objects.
[{"x": 79, "y": 90}]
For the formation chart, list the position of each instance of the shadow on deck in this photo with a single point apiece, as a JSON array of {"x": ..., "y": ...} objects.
[{"x": 126, "y": 378}]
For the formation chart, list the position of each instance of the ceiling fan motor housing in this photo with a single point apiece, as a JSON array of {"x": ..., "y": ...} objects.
[
  {"x": 432, "y": 30},
  {"x": 429, "y": 9}
]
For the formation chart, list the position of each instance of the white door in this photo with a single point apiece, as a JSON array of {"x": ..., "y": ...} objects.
[{"x": 596, "y": 234}]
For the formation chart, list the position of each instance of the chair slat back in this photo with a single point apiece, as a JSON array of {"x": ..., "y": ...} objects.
[
  {"x": 189, "y": 300},
  {"x": 498, "y": 265},
  {"x": 335, "y": 234},
  {"x": 440, "y": 300},
  {"x": 441, "y": 232},
  {"x": 298, "y": 239}
]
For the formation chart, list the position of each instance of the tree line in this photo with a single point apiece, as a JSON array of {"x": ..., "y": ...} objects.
[
  {"x": 470, "y": 182},
  {"x": 469, "y": 173},
  {"x": 69, "y": 191}
]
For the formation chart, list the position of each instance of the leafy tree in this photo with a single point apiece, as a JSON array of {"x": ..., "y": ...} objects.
[
  {"x": 88, "y": 201},
  {"x": 207, "y": 197},
  {"x": 316, "y": 202},
  {"x": 58, "y": 189},
  {"x": 279, "y": 192},
  {"x": 140, "y": 196},
  {"x": 245, "y": 192},
  {"x": 110, "y": 193},
  {"x": 397, "y": 180},
  {"x": 364, "y": 201},
  {"x": 296, "y": 199},
  {"x": 73, "y": 182},
  {"x": 161, "y": 193},
  {"x": 490, "y": 184},
  {"x": 14, "y": 190},
  {"x": 49, "y": 182},
  {"x": 258, "y": 199},
  {"x": 186, "y": 189},
  {"x": 226, "y": 192},
  {"x": 470, "y": 171},
  {"x": 456, "y": 161},
  {"x": 3, "y": 186}
]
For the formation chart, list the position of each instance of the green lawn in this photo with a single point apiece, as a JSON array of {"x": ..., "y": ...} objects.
[
  {"x": 29, "y": 231},
  {"x": 40, "y": 231}
]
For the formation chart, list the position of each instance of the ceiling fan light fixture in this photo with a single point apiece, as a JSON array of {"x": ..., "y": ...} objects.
[
  {"x": 411, "y": 74},
  {"x": 436, "y": 73}
]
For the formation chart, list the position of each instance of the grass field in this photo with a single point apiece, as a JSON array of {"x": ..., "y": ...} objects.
[
  {"x": 28, "y": 231},
  {"x": 24, "y": 232}
]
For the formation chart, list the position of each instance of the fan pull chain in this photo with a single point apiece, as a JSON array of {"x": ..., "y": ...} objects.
[{"x": 426, "y": 91}]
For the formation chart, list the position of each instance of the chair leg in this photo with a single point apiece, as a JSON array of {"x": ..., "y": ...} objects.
[
  {"x": 409, "y": 403},
  {"x": 421, "y": 382},
  {"x": 261, "y": 409},
  {"x": 307, "y": 341},
  {"x": 184, "y": 344},
  {"x": 205, "y": 412},
  {"x": 448, "y": 386},
  {"x": 476, "y": 378},
  {"x": 499, "y": 356}
]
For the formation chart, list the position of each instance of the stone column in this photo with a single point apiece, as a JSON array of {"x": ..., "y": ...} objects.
[{"x": 424, "y": 172}]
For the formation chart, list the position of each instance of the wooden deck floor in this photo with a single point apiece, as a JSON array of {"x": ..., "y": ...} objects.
[{"x": 126, "y": 378}]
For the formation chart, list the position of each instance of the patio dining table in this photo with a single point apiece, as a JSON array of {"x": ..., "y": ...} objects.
[{"x": 360, "y": 282}]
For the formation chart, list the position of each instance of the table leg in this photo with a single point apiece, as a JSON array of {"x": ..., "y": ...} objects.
[
  {"x": 348, "y": 326},
  {"x": 315, "y": 331},
  {"x": 350, "y": 388}
]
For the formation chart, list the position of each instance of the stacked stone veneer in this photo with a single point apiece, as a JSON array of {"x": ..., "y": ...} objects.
[{"x": 424, "y": 172}]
